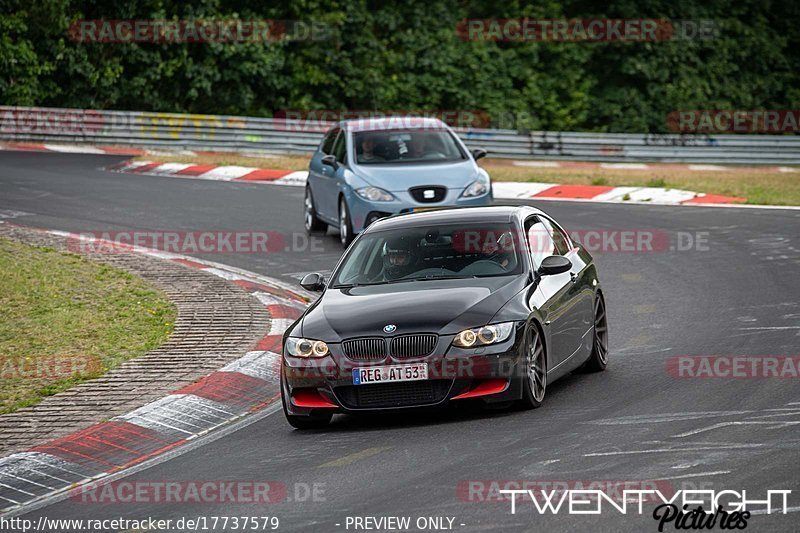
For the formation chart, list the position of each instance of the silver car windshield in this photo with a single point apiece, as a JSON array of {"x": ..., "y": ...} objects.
[
  {"x": 406, "y": 146},
  {"x": 430, "y": 253}
]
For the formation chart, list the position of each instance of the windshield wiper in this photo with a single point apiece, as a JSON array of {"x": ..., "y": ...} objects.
[
  {"x": 431, "y": 278},
  {"x": 401, "y": 280}
]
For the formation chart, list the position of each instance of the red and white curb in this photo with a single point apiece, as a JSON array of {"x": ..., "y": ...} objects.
[
  {"x": 604, "y": 194},
  {"x": 242, "y": 387},
  {"x": 502, "y": 190},
  {"x": 508, "y": 190},
  {"x": 651, "y": 166},
  {"x": 213, "y": 172}
]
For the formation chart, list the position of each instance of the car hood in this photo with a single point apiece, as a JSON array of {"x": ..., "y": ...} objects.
[
  {"x": 402, "y": 177},
  {"x": 443, "y": 306}
]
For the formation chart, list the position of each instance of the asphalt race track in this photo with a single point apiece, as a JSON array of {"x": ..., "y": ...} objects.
[{"x": 739, "y": 294}]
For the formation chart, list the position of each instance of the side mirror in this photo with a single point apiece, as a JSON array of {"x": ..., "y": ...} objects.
[
  {"x": 313, "y": 282},
  {"x": 329, "y": 160},
  {"x": 478, "y": 153},
  {"x": 555, "y": 264}
]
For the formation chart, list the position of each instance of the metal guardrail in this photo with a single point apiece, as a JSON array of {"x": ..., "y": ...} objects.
[{"x": 251, "y": 134}]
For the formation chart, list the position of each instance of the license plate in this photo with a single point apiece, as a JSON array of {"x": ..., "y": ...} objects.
[{"x": 389, "y": 374}]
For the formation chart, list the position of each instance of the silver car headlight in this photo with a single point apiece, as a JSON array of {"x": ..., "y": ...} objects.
[
  {"x": 491, "y": 334},
  {"x": 306, "y": 347},
  {"x": 479, "y": 187},
  {"x": 374, "y": 194}
]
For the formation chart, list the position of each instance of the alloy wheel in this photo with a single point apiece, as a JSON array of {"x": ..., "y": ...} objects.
[
  {"x": 600, "y": 330},
  {"x": 537, "y": 371}
]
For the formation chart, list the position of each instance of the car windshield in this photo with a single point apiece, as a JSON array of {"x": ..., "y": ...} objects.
[
  {"x": 406, "y": 146},
  {"x": 429, "y": 253}
]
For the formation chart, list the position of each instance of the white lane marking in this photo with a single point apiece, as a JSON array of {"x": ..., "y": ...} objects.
[
  {"x": 772, "y": 425},
  {"x": 706, "y": 167},
  {"x": 259, "y": 364},
  {"x": 190, "y": 445},
  {"x": 770, "y": 328},
  {"x": 698, "y": 474},
  {"x": 130, "y": 165},
  {"x": 652, "y": 195},
  {"x": 230, "y": 276},
  {"x": 226, "y": 173},
  {"x": 71, "y": 149},
  {"x": 15, "y": 502},
  {"x": 30, "y": 481},
  {"x": 537, "y": 164},
  {"x": 665, "y": 417},
  {"x": 170, "y": 152},
  {"x": 268, "y": 299},
  {"x": 15, "y": 489},
  {"x": 170, "y": 168},
  {"x": 10, "y": 213},
  {"x": 279, "y": 325},
  {"x": 517, "y": 189},
  {"x": 630, "y": 166},
  {"x": 297, "y": 178},
  {"x": 46, "y": 460},
  {"x": 673, "y": 450}
]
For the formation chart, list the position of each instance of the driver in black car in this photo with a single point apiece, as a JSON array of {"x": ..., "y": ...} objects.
[
  {"x": 399, "y": 257},
  {"x": 501, "y": 251}
]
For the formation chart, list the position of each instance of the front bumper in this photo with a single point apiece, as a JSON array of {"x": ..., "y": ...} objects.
[
  {"x": 363, "y": 212},
  {"x": 492, "y": 373}
]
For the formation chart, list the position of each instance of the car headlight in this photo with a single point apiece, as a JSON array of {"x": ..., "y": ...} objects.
[
  {"x": 479, "y": 187},
  {"x": 306, "y": 347},
  {"x": 374, "y": 194},
  {"x": 491, "y": 334}
]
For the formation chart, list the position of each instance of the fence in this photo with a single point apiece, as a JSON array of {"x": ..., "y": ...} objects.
[{"x": 250, "y": 134}]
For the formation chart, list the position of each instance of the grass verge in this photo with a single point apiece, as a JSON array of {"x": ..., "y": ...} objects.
[
  {"x": 765, "y": 187},
  {"x": 66, "y": 320}
]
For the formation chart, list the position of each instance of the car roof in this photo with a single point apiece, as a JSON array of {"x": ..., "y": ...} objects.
[
  {"x": 392, "y": 123},
  {"x": 498, "y": 213}
]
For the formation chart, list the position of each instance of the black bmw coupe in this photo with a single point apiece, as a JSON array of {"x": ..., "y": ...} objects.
[{"x": 424, "y": 309}]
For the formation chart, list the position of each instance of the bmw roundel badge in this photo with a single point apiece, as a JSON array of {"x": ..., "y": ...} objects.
[{"x": 389, "y": 328}]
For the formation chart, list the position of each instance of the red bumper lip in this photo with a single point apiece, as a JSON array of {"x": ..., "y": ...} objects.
[
  {"x": 311, "y": 399},
  {"x": 485, "y": 387}
]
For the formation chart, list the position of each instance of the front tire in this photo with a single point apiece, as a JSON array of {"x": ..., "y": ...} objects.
[
  {"x": 534, "y": 383},
  {"x": 345, "y": 224},
  {"x": 316, "y": 421},
  {"x": 310, "y": 220},
  {"x": 598, "y": 360}
]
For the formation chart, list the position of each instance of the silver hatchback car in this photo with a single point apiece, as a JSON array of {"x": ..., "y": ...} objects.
[{"x": 366, "y": 169}]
